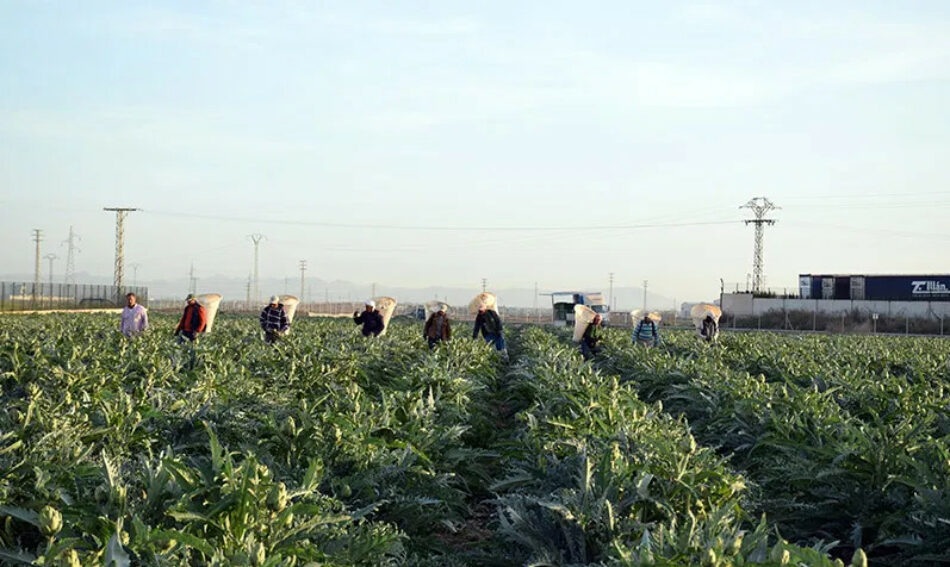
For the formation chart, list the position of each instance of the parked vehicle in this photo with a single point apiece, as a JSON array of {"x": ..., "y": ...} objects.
[{"x": 563, "y": 302}]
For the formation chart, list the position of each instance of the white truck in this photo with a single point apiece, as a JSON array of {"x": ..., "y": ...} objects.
[{"x": 563, "y": 302}]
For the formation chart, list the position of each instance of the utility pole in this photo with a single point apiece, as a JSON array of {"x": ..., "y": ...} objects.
[
  {"x": 120, "y": 214},
  {"x": 484, "y": 285},
  {"x": 303, "y": 270},
  {"x": 646, "y": 284},
  {"x": 51, "y": 257},
  {"x": 256, "y": 239},
  {"x": 610, "y": 302},
  {"x": 135, "y": 274},
  {"x": 70, "y": 275},
  {"x": 37, "y": 238},
  {"x": 537, "y": 312},
  {"x": 760, "y": 207},
  {"x": 192, "y": 280},
  {"x": 248, "y": 301}
]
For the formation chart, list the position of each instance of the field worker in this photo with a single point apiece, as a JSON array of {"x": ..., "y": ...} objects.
[
  {"x": 134, "y": 317},
  {"x": 438, "y": 328},
  {"x": 274, "y": 320},
  {"x": 646, "y": 333},
  {"x": 371, "y": 319},
  {"x": 592, "y": 336},
  {"x": 489, "y": 323},
  {"x": 710, "y": 330},
  {"x": 193, "y": 320}
]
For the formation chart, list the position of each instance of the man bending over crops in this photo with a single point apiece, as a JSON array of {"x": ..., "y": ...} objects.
[
  {"x": 193, "y": 321},
  {"x": 489, "y": 323},
  {"x": 371, "y": 319},
  {"x": 274, "y": 320},
  {"x": 134, "y": 317},
  {"x": 646, "y": 333},
  {"x": 437, "y": 328},
  {"x": 710, "y": 330},
  {"x": 592, "y": 336}
]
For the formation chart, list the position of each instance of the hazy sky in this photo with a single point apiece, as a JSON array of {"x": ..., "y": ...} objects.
[{"x": 479, "y": 114}]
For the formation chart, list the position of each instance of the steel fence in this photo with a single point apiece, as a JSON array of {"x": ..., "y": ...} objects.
[{"x": 28, "y": 296}]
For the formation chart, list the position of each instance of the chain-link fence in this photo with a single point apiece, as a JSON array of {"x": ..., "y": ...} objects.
[
  {"x": 28, "y": 296},
  {"x": 775, "y": 292}
]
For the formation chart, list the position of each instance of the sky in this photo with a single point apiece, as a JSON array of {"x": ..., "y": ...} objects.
[{"x": 439, "y": 143}]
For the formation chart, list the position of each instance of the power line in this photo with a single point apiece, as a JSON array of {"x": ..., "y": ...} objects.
[
  {"x": 879, "y": 231},
  {"x": 509, "y": 228},
  {"x": 826, "y": 196}
]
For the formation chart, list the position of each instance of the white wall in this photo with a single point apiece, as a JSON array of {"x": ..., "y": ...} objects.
[{"x": 743, "y": 305}]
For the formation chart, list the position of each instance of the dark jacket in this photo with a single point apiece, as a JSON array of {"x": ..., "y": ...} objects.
[
  {"x": 489, "y": 323},
  {"x": 193, "y": 320},
  {"x": 274, "y": 318},
  {"x": 372, "y": 322},
  {"x": 592, "y": 334},
  {"x": 438, "y": 327},
  {"x": 709, "y": 329}
]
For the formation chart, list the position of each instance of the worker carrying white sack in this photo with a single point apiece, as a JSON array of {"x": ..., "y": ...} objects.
[
  {"x": 647, "y": 331},
  {"x": 370, "y": 318},
  {"x": 193, "y": 321},
  {"x": 485, "y": 309},
  {"x": 274, "y": 320},
  {"x": 588, "y": 330},
  {"x": 438, "y": 327},
  {"x": 386, "y": 306},
  {"x": 706, "y": 320}
]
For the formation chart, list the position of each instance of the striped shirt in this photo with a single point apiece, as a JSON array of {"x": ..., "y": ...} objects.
[
  {"x": 274, "y": 319},
  {"x": 646, "y": 331}
]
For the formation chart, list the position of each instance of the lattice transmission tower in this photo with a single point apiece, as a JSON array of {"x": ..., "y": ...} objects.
[
  {"x": 69, "y": 276},
  {"x": 120, "y": 214},
  {"x": 760, "y": 207}
]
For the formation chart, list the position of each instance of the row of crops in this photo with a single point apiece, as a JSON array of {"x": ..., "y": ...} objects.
[
  {"x": 844, "y": 438},
  {"x": 330, "y": 449}
]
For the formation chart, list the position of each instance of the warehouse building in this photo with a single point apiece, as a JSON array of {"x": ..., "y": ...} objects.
[
  {"x": 875, "y": 287},
  {"x": 922, "y": 296}
]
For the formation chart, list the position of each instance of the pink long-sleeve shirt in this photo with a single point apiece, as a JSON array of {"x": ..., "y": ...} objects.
[{"x": 134, "y": 320}]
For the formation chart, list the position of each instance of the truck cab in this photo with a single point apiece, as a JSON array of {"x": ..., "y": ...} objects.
[{"x": 563, "y": 302}]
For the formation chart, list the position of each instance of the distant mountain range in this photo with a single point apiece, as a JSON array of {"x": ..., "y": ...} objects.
[{"x": 318, "y": 290}]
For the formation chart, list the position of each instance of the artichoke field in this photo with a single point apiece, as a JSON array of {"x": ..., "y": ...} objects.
[{"x": 329, "y": 449}]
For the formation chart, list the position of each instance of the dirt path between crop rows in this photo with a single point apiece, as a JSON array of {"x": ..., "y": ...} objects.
[{"x": 476, "y": 543}]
